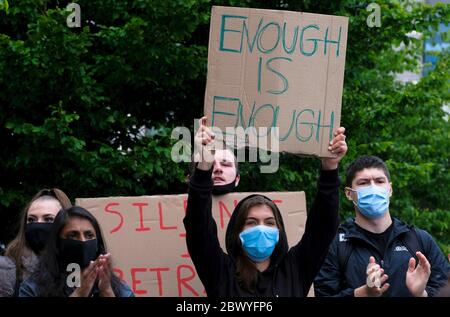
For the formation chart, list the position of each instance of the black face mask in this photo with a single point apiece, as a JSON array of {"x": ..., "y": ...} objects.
[
  {"x": 80, "y": 252},
  {"x": 36, "y": 235},
  {"x": 224, "y": 189}
]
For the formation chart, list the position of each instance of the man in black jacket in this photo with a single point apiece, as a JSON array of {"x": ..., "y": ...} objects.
[
  {"x": 375, "y": 254},
  {"x": 251, "y": 268}
]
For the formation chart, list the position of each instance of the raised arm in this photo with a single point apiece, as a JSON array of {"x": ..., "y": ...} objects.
[
  {"x": 201, "y": 229},
  {"x": 323, "y": 218}
]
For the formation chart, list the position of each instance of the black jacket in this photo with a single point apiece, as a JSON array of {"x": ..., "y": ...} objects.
[
  {"x": 333, "y": 280},
  {"x": 290, "y": 273}
]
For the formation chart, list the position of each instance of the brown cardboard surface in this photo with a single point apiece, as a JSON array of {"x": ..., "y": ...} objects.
[{"x": 277, "y": 68}]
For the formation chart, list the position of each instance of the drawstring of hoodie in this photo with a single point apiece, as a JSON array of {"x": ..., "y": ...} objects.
[{"x": 273, "y": 280}]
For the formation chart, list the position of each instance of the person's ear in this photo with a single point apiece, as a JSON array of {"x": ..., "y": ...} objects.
[
  {"x": 391, "y": 190},
  {"x": 238, "y": 178},
  {"x": 348, "y": 193}
]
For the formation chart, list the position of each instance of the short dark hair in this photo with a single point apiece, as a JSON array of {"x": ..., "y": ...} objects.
[{"x": 362, "y": 162}]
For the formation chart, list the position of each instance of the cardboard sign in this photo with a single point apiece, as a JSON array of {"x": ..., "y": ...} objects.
[
  {"x": 146, "y": 238},
  {"x": 269, "y": 68}
]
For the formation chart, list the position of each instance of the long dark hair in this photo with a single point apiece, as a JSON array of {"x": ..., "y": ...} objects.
[
  {"x": 17, "y": 248},
  {"x": 51, "y": 277},
  {"x": 246, "y": 271}
]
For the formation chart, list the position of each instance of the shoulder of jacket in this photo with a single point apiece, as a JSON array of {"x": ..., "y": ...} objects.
[
  {"x": 422, "y": 235},
  {"x": 6, "y": 263},
  {"x": 7, "y": 272},
  {"x": 346, "y": 227}
]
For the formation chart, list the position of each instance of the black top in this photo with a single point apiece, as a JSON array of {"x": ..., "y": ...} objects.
[
  {"x": 290, "y": 273},
  {"x": 379, "y": 240}
]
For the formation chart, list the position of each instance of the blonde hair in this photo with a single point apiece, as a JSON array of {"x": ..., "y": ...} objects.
[{"x": 17, "y": 248}]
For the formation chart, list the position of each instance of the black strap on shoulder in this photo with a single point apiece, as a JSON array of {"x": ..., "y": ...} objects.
[
  {"x": 344, "y": 250},
  {"x": 413, "y": 242}
]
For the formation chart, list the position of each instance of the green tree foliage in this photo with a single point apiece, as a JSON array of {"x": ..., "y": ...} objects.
[{"x": 74, "y": 101}]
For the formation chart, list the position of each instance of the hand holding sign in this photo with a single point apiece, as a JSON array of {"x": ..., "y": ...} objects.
[
  {"x": 338, "y": 147},
  {"x": 204, "y": 139}
]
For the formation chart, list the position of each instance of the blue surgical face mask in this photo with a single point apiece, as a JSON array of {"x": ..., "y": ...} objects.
[
  {"x": 373, "y": 201},
  {"x": 259, "y": 242}
]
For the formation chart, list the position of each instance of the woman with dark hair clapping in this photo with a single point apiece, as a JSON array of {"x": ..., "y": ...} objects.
[{"x": 75, "y": 241}]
